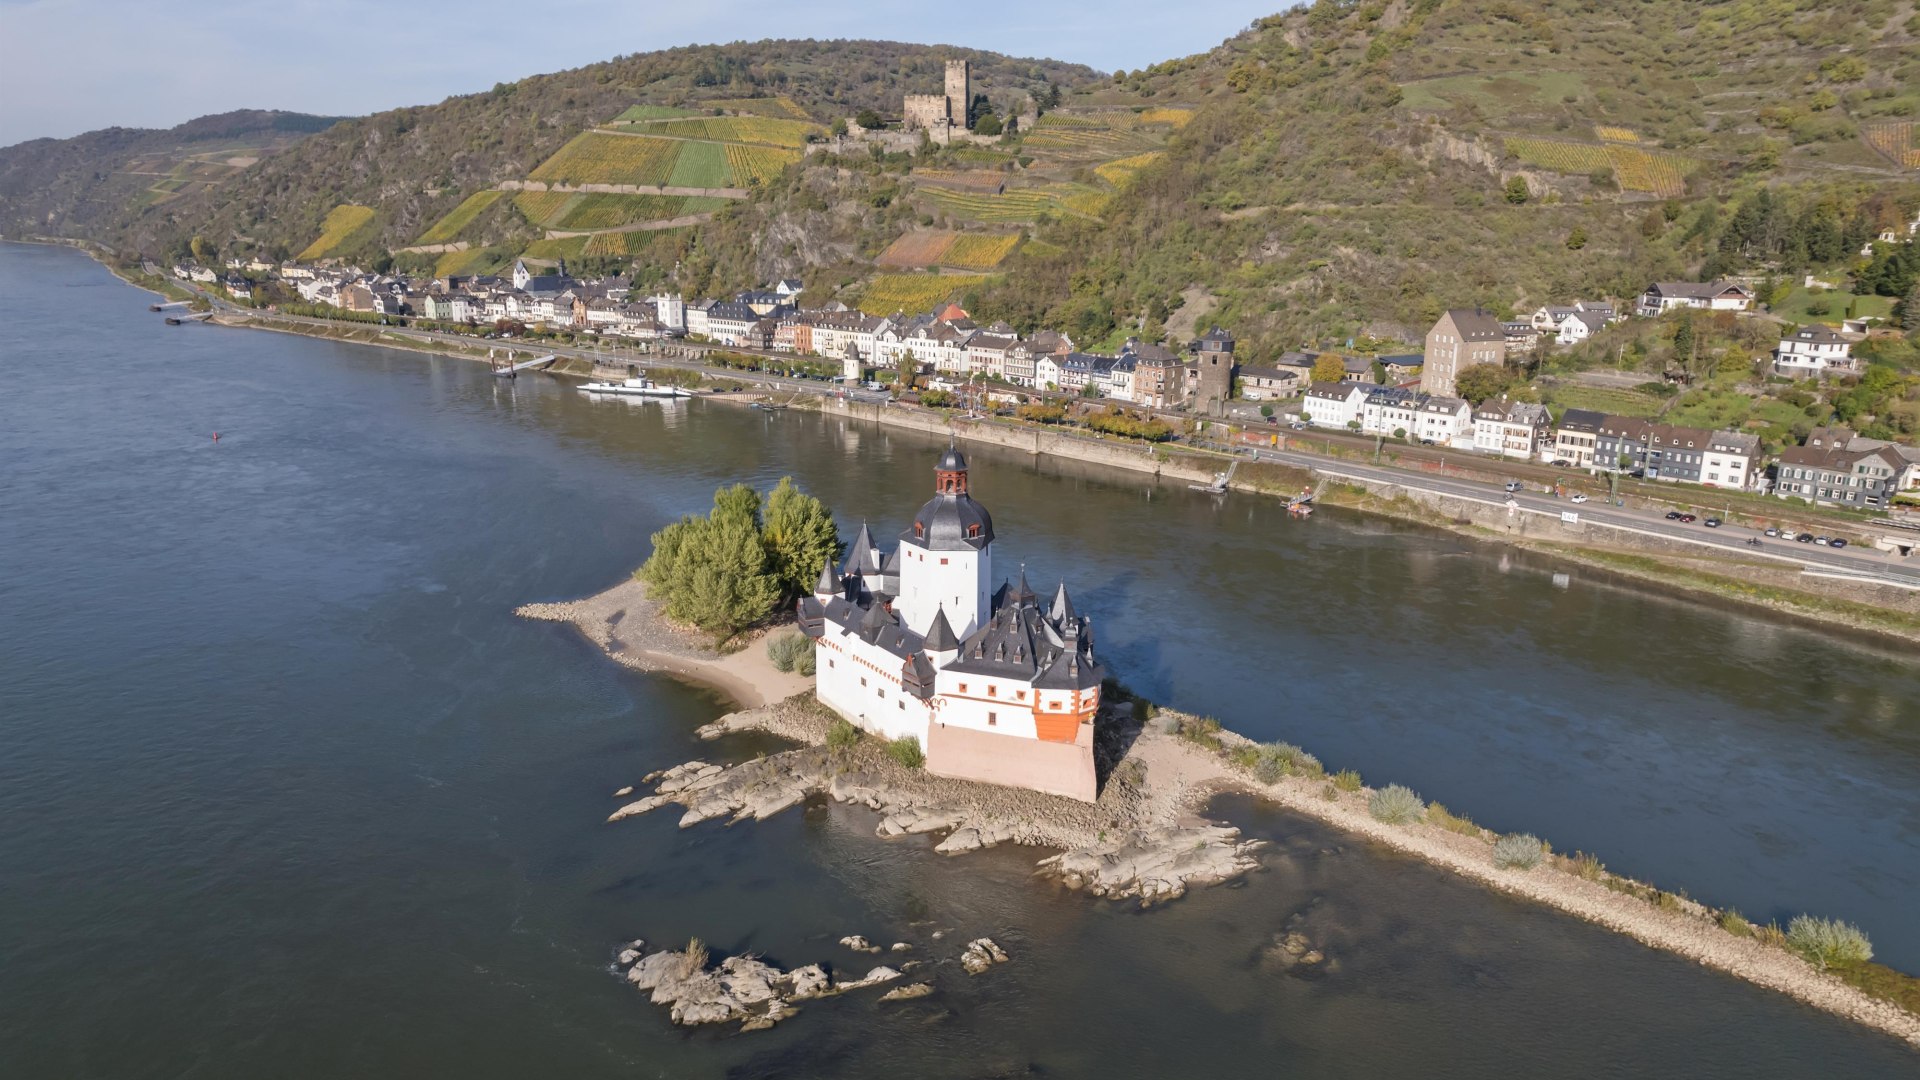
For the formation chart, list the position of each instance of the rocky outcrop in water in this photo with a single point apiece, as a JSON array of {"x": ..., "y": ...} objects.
[
  {"x": 756, "y": 995},
  {"x": 1156, "y": 865}
]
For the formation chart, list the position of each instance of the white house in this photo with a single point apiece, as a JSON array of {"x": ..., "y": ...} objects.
[
  {"x": 1334, "y": 405},
  {"x": 1665, "y": 296},
  {"x": 1390, "y": 411},
  {"x": 1579, "y": 326},
  {"x": 1731, "y": 460},
  {"x": 1812, "y": 350},
  {"x": 1445, "y": 421}
]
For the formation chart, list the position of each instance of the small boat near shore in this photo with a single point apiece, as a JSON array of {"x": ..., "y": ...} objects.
[{"x": 636, "y": 388}]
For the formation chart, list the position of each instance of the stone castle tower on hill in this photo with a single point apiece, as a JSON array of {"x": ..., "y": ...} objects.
[{"x": 942, "y": 115}]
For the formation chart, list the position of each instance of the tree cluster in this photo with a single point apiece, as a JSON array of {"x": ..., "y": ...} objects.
[{"x": 739, "y": 564}]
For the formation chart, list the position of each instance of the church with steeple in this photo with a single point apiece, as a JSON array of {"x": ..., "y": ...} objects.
[{"x": 997, "y": 683}]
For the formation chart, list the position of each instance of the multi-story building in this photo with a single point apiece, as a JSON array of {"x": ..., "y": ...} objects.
[
  {"x": 1574, "y": 439},
  {"x": 1445, "y": 421},
  {"x": 1334, "y": 405},
  {"x": 1513, "y": 429},
  {"x": 1391, "y": 411},
  {"x": 1811, "y": 351},
  {"x": 1462, "y": 338},
  {"x": 1866, "y": 478}
]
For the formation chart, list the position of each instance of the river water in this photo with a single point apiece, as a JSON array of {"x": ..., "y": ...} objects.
[{"x": 288, "y": 791}]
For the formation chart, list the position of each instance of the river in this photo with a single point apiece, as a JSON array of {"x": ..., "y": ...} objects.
[{"x": 289, "y": 791}]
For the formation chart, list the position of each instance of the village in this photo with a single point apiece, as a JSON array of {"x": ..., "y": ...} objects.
[{"x": 946, "y": 357}]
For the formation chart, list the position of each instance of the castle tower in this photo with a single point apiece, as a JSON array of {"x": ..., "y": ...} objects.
[
  {"x": 946, "y": 556},
  {"x": 960, "y": 93}
]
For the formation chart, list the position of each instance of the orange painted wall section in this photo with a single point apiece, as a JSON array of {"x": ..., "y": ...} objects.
[
  {"x": 1058, "y": 768},
  {"x": 1056, "y": 727}
]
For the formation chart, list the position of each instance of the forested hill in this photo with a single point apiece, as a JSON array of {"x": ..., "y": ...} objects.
[
  {"x": 78, "y": 186},
  {"x": 414, "y": 165},
  {"x": 1357, "y": 163}
]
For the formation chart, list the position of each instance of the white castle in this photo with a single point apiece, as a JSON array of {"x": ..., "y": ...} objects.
[{"x": 996, "y": 684}]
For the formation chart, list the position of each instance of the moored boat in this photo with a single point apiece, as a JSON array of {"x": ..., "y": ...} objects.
[{"x": 636, "y": 388}]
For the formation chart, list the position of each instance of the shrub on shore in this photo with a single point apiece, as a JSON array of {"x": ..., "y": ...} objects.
[
  {"x": 1450, "y": 821},
  {"x": 1735, "y": 923},
  {"x": 804, "y": 663},
  {"x": 1347, "y": 780},
  {"x": 1826, "y": 942},
  {"x": 906, "y": 751},
  {"x": 1518, "y": 851},
  {"x": 842, "y": 735},
  {"x": 785, "y": 649},
  {"x": 1396, "y": 804},
  {"x": 1201, "y": 731}
]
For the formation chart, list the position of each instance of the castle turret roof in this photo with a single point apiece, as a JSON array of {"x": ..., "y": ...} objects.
[
  {"x": 1063, "y": 612},
  {"x": 829, "y": 582},
  {"x": 940, "y": 636},
  {"x": 860, "y": 556}
]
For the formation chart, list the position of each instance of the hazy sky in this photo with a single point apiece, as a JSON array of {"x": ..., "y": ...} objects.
[{"x": 68, "y": 66}]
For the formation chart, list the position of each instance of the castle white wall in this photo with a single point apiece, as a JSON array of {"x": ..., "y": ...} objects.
[
  {"x": 982, "y": 703},
  {"x": 955, "y": 580},
  {"x": 862, "y": 683}
]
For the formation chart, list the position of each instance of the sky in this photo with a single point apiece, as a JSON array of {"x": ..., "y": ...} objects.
[{"x": 75, "y": 65}]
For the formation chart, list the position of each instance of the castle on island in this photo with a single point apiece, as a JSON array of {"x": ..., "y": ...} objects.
[{"x": 998, "y": 684}]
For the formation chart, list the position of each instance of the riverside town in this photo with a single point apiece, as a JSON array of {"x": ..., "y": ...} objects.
[{"x": 1362, "y": 538}]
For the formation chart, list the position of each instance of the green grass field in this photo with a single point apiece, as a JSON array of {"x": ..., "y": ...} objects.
[
  {"x": 1495, "y": 95},
  {"x": 1839, "y": 304},
  {"x": 701, "y": 164},
  {"x": 641, "y": 113},
  {"x": 1606, "y": 400}
]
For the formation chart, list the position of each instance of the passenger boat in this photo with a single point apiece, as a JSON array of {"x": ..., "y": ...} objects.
[{"x": 636, "y": 388}]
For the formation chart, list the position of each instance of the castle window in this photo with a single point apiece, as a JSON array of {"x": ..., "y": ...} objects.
[
  {"x": 863, "y": 680},
  {"x": 973, "y": 530},
  {"x": 993, "y": 691},
  {"x": 943, "y": 562},
  {"x": 829, "y": 663},
  {"x": 963, "y": 688},
  {"x": 993, "y": 719},
  {"x": 1019, "y": 695}
]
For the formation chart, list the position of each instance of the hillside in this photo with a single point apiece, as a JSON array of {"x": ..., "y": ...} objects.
[
  {"x": 1349, "y": 165},
  {"x": 415, "y": 166},
  {"x": 1341, "y": 169},
  {"x": 77, "y": 186}
]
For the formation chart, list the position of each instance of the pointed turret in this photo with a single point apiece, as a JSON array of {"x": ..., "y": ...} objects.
[
  {"x": 829, "y": 584},
  {"x": 1022, "y": 592},
  {"x": 860, "y": 558},
  {"x": 1063, "y": 613},
  {"x": 940, "y": 636}
]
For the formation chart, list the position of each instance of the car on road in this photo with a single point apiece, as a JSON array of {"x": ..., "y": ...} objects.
[
  {"x": 1578, "y": 497},
  {"x": 1673, "y": 515},
  {"x": 1837, "y": 542},
  {"x": 1513, "y": 485},
  {"x": 1297, "y": 426},
  {"x": 1426, "y": 442},
  {"x": 1821, "y": 540},
  {"x": 1562, "y": 463},
  {"x": 1804, "y": 538},
  {"x": 1711, "y": 523},
  {"x": 1772, "y": 531},
  {"x": 1688, "y": 519}
]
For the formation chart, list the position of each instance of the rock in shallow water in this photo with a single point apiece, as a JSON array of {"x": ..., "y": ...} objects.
[{"x": 981, "y": 954}]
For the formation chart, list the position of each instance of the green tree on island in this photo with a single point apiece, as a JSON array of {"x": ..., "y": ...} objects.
[{"x": 732, "y": 568}]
